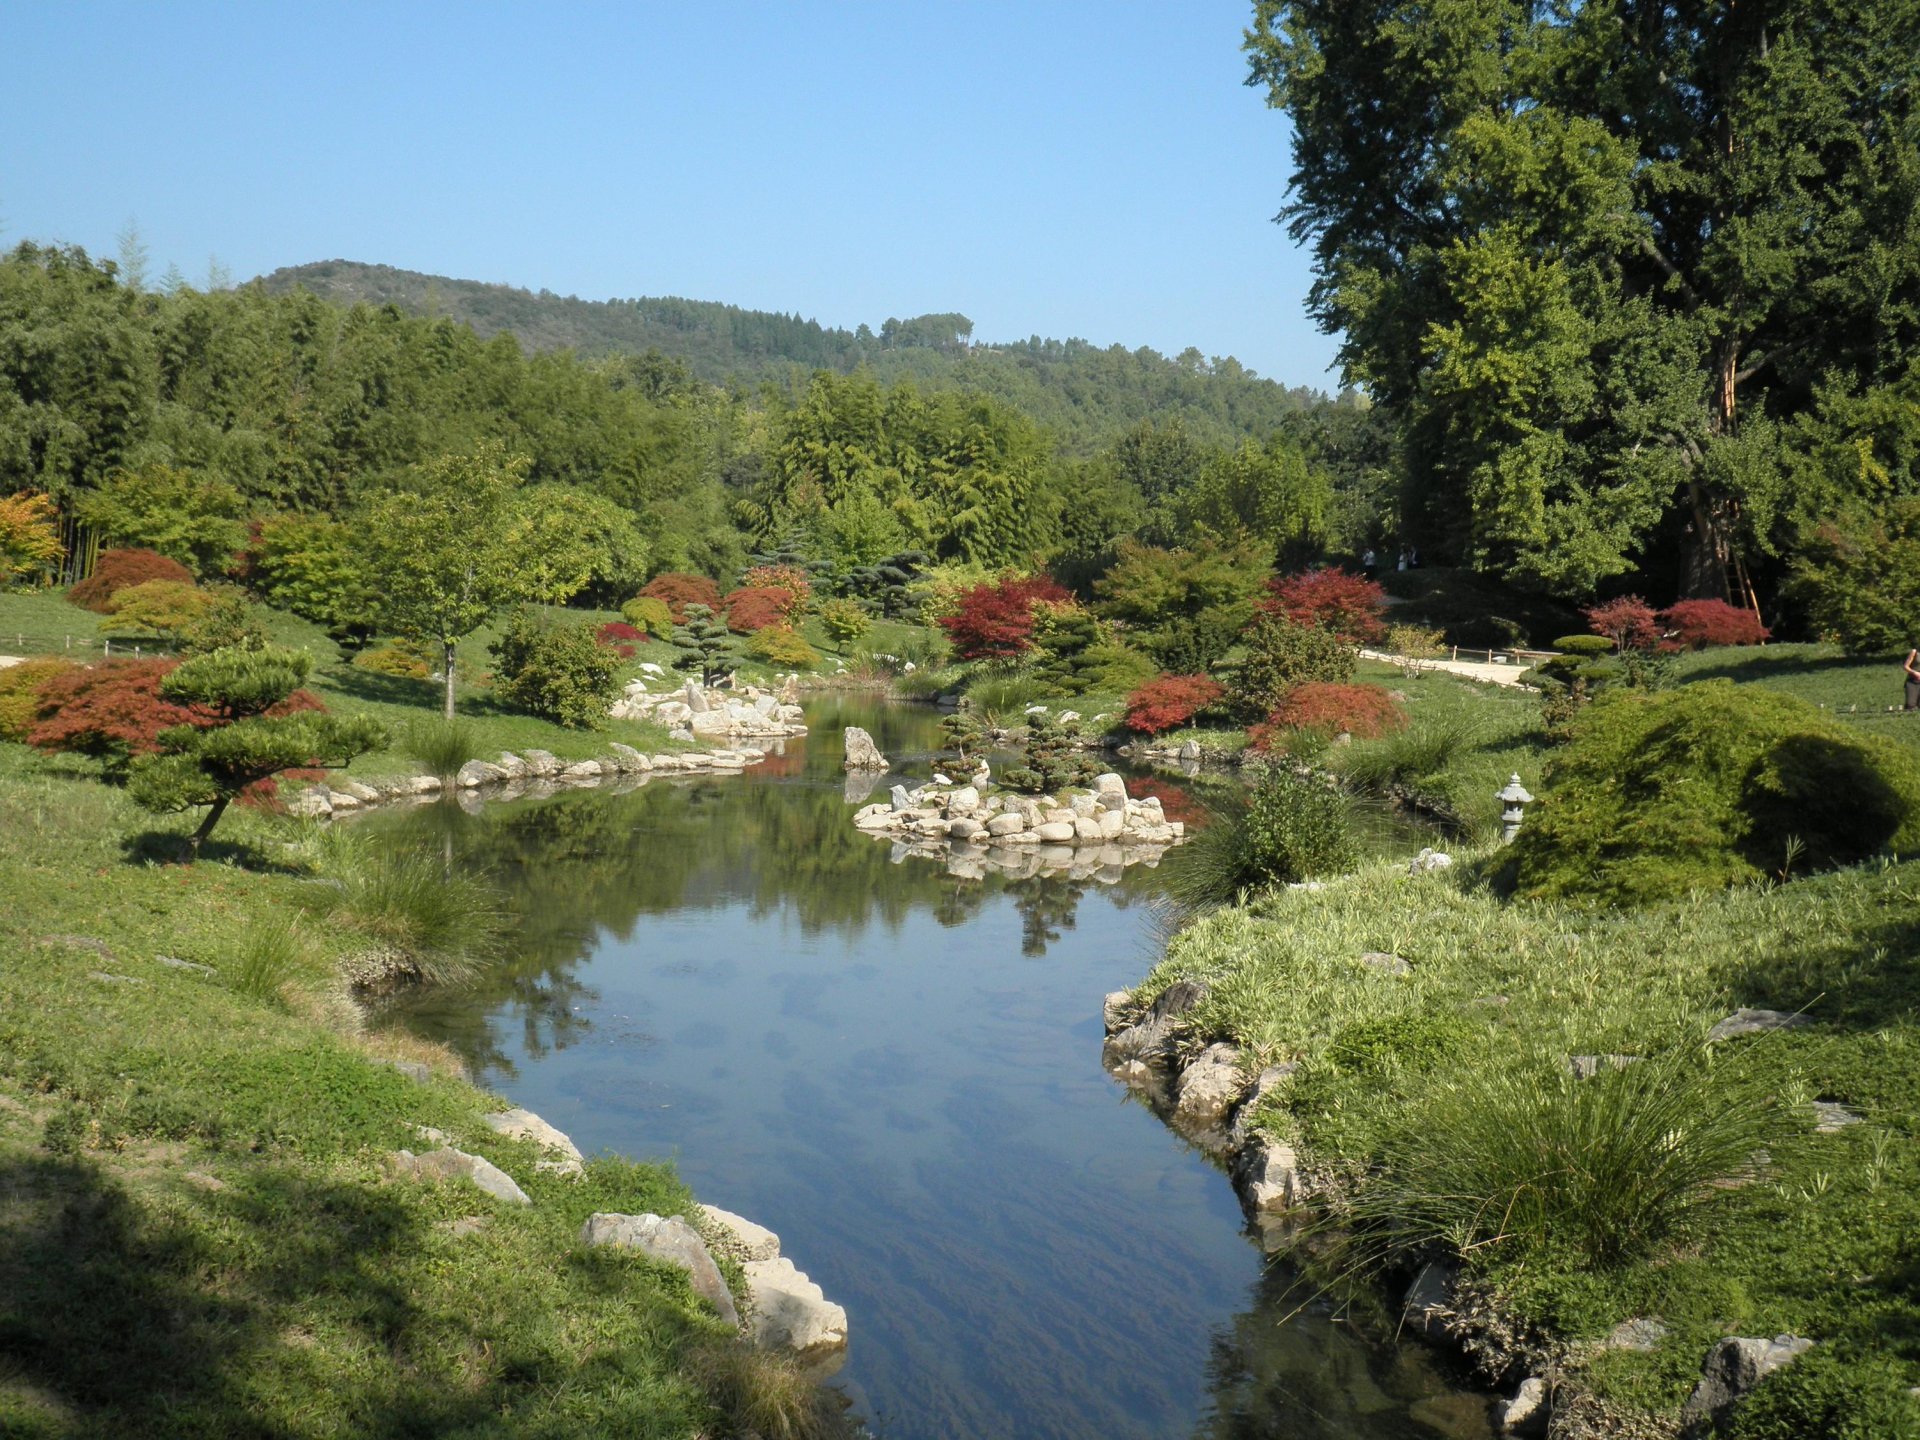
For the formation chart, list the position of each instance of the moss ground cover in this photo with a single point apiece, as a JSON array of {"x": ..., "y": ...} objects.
[{"x": 199, "y": 1234}]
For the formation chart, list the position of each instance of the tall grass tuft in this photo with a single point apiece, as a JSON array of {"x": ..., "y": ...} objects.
[
  {"x": 424, "y": 922},
  {"x": 765, "y": 1395},
  {"x": 441, "y": 745},
  {"x": 1415, "y": 756},
  {"x": 1003, "y": 699},
  {"x": 268, "y": 954},
  {"x": 1596, "y": 1172}
]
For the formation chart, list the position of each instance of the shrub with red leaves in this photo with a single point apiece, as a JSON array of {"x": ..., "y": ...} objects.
[
  {"x": 996, "y": 622},
  {"x": 1170, "y": 702},
  {"x": 117, "y": 570},
  {"x": 1698, "y": 624},
  {"x": 753, "y": 608},
  {"x": 113, "y": 710},
  {"x": 1365, "y": 712},
  {"x": 1629, "y": 622},
  {"x": 619, "y": 637},
  {"x": 679, "y": 591},
  {"x": 1344, "y": 604},
  {"x": 790, "y": 578}
]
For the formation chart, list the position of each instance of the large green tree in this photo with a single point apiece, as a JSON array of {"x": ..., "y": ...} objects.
[{"x": 1597, "y": 255}]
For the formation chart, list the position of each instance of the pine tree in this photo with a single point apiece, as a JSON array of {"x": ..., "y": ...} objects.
[{"x": 705, "y": 644}]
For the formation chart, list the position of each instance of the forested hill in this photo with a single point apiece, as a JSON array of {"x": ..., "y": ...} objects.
[{"x": 1085, "y": 394}]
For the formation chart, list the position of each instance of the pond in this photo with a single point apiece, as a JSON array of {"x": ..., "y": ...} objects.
[{"x": 899, "y": 1072}]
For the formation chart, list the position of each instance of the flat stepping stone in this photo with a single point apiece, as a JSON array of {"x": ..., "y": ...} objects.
[
  {"x": 1831, "y": 1115},
  {"x": 1751, "y": 1022}
]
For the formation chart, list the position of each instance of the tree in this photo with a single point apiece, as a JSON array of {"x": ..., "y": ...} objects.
[
  {"x": 316, "y": 567},
  {"x": 1592, "y": 256},
  {"x": 996, "y": 622},
  {"x": 705, "y": 644},
  {"x": 464, "y": 537},
  {"x": 186, "y": 516},
  {"x": 29, "y": 536},
  {"x": 209, "y": 765},
  {"x": 1268, "y": 492}
]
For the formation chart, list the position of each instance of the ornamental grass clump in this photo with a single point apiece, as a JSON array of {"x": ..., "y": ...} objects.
[
  {"x": 423, "y": 922},
  {"x": 441, "y": 746},
  {"x": 1528, "y": 1161}
]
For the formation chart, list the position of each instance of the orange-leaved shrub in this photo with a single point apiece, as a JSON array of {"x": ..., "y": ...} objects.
[
  {"x": 115, "y": 710},
  {"x": 790, "y": 578},
  {"x": 1365, "y": 712},
  {"x": 753, "y": 608},
  {"x": 1170, "y": 702},
  {"x": 118, "y": 570}
]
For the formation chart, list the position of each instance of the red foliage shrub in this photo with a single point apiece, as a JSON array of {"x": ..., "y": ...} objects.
[
  {"x": 619, "y": 637},
  {"x": 790, "y": 578},
  {"x": 1347, "y": 605},
  {"x": 112, "y": 710},
  {"x": 679, "y": 591},
  {"x": 1170, "y": 701},
  {"x": 1699, "y": 623},
  {"x": 1365, "y": 712},
  {"x": 996, "y": 621},
  {"x": 116, "y": 570},
  {"x": 1629, "y": 622},
  {"x": 756, "y": 607}
]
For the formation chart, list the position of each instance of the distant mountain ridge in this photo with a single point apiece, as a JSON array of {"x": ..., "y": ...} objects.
[{"x": 1085, "y": 393}]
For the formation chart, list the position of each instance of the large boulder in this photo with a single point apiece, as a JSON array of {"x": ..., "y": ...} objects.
[
  {"x": 518, "y": 1124},
  {"x": 740, "y": 1235},
  {"x": 792, "y": 1313},
  {"x": 476, "y": 773},
  {"x": 862, "y": 753},
  {"x": 1268, "y": 1179},
  {"x": 1209, "y": 1088},
  {"x": 1733, "y": 1368},
  {"x": 671, "y": 1241},
  {"x": 450, "y": 1164}
]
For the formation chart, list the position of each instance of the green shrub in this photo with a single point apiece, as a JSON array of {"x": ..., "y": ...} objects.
[
  {"x": 1707, "y": 786},
  {"x": 645, "y": 612},
  {"x": 419, "y": 922},
  {"x": 1408, "y": 1040},
  {"x": 1281, "y": 655},
  {"x": 1293, "y": 827},
  {"x": 154, "y": 609},
  {"x": 1589, "y": 1172},
  {"x": 1583, "y": 645},
  {"x": 267, "y": 954},
  {"x": 396, "y": 657},
  {"x": 782, "y": 645},
  {"x": 556, "y": 670},
  {"x": 844, "y": 621}
]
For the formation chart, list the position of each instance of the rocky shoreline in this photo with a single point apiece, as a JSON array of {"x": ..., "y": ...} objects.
[{"x": 1209, "y": 1094}]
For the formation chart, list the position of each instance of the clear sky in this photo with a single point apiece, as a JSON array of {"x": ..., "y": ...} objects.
[{"x": 1051, "y": 167}]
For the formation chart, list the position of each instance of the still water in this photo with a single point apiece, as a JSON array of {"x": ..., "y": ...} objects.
[{"x": 899, "y": 1072}]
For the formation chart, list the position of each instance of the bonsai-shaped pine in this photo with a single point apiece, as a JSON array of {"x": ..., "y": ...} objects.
[
  {"x": 1053, "y": 758},
  {"x": 705, "y": 644},
  {"x": 964, "y": 732},
  {"x": 209, "y": 766}
]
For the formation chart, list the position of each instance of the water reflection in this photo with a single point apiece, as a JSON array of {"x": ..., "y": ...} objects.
[{"x": 898, "y": 1070}]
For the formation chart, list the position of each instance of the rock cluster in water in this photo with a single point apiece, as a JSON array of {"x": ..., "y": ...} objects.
[
  {"x": 1091, "y": 834},
  {"x": 696, "y": 712}
]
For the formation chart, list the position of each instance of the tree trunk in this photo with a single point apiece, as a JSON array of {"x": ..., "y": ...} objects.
[
  {"x": 194, "y": 840},
  {"x": 1709, "y": 561},
  {"x": 446, "y": 648}
]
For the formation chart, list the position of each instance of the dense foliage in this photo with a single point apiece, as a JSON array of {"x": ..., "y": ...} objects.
[
  {"x": 1345, "y": 605},
  {"x": 1278, "y": 655},
  {"x": 29, "y": 536},
  {"x": 557, "y": 670},
  {"x": 1710, "y": 785},
  {"x": 996, "y": 621}
]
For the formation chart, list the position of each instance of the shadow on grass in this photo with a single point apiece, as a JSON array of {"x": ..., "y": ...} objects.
[
  {"x": 377, "y": 689},
  {"x": 169, "y": 847},
  {"x": 1764, "y": 667}
]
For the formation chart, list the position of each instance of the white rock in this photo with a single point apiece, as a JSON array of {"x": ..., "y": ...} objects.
[
  {"x": 1526, "y": 1413},
  {"x": 792, "y": 1313},
  {"x": 450, "y": 1164},
  {"x": 754, "y": 1242},
  {"x": 650, "y": 668},
  {"x": 963, "y": 801},
  {"x": 1209, "y": 1087},
  {"x": 670, "y": 1240},
  {"x": 1055, "y": 831},
  {"x": 518, "y": 1124},
  {"x": 1006, "y": 823}
]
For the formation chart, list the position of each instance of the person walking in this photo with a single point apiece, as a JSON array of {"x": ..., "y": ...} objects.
[
  {"x": 1368, "y": 563},
  {"x": 1913, "y": 679}
]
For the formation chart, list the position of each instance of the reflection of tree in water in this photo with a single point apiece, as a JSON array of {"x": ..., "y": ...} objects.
[
  {"x": 1047, "y": 906},
  {"x": 1287, "y": 1370}
]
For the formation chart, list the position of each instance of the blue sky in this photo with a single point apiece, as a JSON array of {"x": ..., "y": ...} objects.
[{"x": 1049, "y": 168}]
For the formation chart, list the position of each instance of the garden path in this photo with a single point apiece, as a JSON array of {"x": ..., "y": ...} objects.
[{"x": 1496, "y": 672}]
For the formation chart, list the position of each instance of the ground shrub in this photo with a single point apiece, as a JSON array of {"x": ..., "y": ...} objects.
[
  {"x": 1832, "y": 1392},
  {"x": 619, "y": 637},
  {"x": 1416, "y": 642},
  {"x": 1698, "y": 624},
  {"x": 442, "y": 746},
  {"x": 556, "y": 670},
  {"x": 20, "y": 694},
  {"x": 419, "y": 922},
  {"x": 1411, "y": 1040},
  {"x": 396, "y": 657},
  {"x": 155, "y": 609},
  {"x": 113, "y": 710},
  {"x": 1331, "y": 599},
  {"x": 1291, "y": 827},
  {"x": 1629, "y": 622},
  {"x": 783, "y": 645},
  {"x": 1365, "y": 712},
  {"x": 750, "y": 609},
  {"x": 117, "y": 570},
  {"x": 1170, "y": 702},
  {"x": 1706, "y": 786},
  {"x": 1585, "y": 646},
  {"x": 648, "y": 613},
  {"x": 1282, "y": 655},
  {"x": 844, "y": 621},
  {"x": 1185, "y": 644},
  {"x": 1052, "y": 758},
  {"x": 678, "y": 591}
]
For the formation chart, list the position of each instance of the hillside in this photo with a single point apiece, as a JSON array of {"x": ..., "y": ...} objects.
[{"x": 1086, "y": 394}]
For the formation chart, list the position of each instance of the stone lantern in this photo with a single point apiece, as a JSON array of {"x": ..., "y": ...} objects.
[{"x": 1516, "y": 799}]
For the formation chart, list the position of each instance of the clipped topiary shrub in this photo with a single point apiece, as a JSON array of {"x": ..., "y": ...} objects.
[
  {"x": 1583, "y": 645},
  {"x": 1707, "y": 786},
  {"x": 117, "y": 570}
]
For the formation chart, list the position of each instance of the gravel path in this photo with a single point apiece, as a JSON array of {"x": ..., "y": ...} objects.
[{"x": 1494, "y": 674}]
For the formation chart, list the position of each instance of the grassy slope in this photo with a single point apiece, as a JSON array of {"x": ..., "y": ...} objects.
[
  {"x": 1821, "y": 1246},
  {"x": 197, "y": 1177}
]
